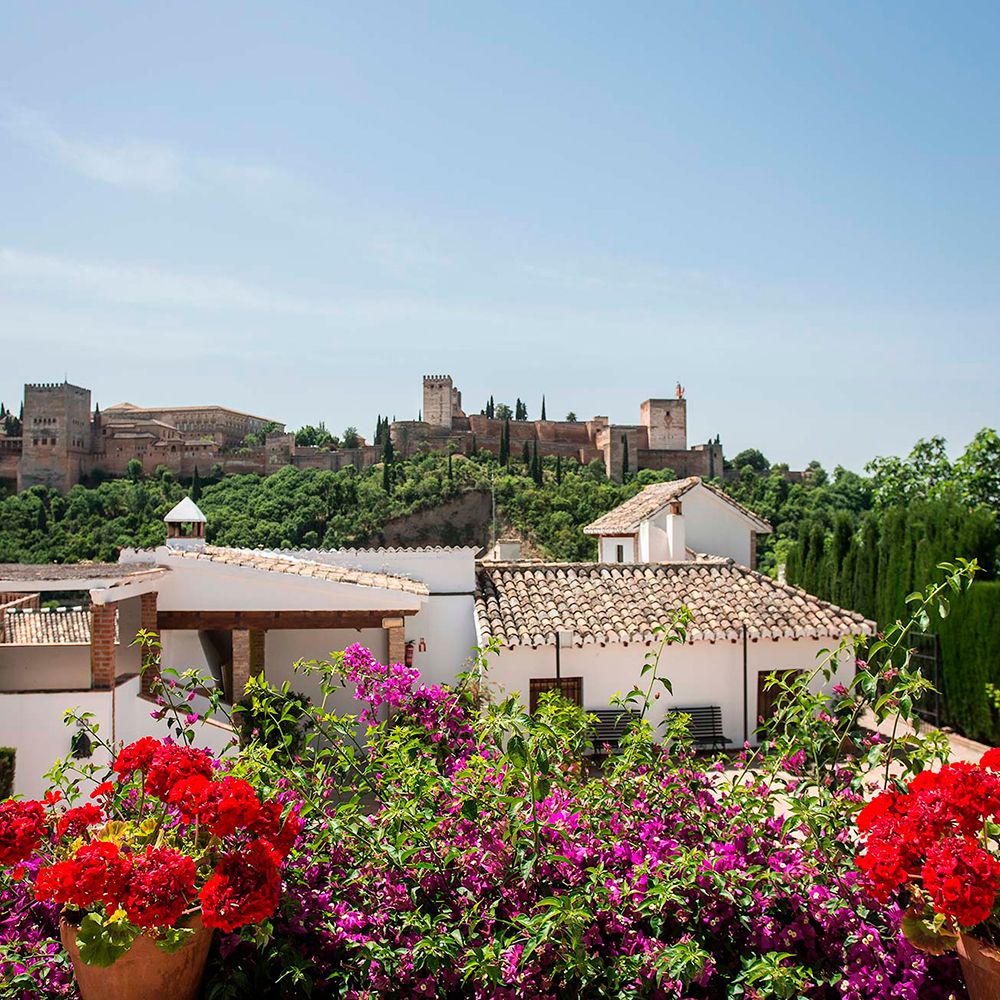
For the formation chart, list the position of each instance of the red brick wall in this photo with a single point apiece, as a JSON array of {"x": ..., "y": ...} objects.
[{"x": 103, "y": 656}]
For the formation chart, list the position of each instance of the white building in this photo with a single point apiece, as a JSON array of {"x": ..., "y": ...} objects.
[
  {"x": 232, "y": 613},
  {"x": 669, "y": 522}
]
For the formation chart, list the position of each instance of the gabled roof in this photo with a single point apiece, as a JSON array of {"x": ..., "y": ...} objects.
[
  {"x": 275, "y": 562},
  {"x": 526, "y": 604},
  {"x": 186, "y": 511},
  {"x": 626, "y": 517}
]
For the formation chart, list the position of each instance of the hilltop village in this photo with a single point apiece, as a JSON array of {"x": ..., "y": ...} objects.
[{"x": 61, "y": 439}]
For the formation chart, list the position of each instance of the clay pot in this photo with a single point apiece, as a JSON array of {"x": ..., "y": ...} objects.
[
  {"x": 980, "y": 967},
  {"x": 144, "y": 972}
]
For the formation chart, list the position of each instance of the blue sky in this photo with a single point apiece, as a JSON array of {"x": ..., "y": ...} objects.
[{"x": 299, "y": 209}]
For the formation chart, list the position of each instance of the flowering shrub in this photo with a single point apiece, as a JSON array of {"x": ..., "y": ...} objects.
[
  {"x": 451, "y": 847},
  {"x": 461, "y": 849},
  {"x": 935, "y": 846},
  {"x": 170, "y": 834}
]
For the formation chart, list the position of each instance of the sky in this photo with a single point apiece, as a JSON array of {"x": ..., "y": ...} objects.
[{"x": 299, "y": 209}]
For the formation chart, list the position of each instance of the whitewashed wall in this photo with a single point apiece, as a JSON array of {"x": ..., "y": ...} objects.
[
  {"x": 713, "y": 526},
  {"x": 33, "y": 724},
  {"x": 44, "y": 668},
  {"x": 702, "y": 673}
]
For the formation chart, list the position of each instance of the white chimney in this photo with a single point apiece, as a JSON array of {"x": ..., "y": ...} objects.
[
  {"x": 506, "y": 550},
  {"x": 676, "y": 534},
  {"x": 186, "y": 526}
]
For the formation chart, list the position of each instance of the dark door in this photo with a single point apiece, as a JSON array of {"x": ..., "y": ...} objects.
[{"x": 769, "y": 697}]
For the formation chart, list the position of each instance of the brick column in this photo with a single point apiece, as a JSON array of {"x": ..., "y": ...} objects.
[
  {"x": 395, "y": 634},
  {"x": 103, "y": 656},
  {"x": 147, "y": 622},
  {"x": 248, "y": 658}
]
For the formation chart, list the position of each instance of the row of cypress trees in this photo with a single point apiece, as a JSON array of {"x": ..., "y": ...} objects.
[{"x": 873, "y": 566}]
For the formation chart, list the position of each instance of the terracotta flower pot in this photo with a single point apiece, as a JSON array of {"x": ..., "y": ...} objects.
[
  {"x": 980, "y": 967},
  {"x": 144, "y": 972}
]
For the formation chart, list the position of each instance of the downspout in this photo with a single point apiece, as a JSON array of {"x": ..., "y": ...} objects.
[{"x": 746, "y": 697}]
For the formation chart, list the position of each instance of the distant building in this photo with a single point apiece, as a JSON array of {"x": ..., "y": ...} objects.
[
  {"x": 65, "y": 441},
  {"x": 658, "y": 441}
]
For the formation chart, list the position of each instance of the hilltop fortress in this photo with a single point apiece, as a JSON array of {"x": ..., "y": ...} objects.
[
  {"x": 658, "y": 441},
  {"x": 64, "y": 440}
]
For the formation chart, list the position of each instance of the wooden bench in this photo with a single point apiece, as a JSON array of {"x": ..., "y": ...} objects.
[
  {"x": 609, "y": 727},
  {"x": 704, "y": 726}
]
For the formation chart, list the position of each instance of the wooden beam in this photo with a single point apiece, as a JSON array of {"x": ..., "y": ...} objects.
[{"x": 206, "y": 620}]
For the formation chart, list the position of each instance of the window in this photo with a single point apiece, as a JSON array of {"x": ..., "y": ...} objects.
[
  {"x": 571, "y": 687},
  {"x": 620, "y": 553}
]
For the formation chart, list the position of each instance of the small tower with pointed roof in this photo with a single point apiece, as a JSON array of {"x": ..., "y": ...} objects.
[{"x": 185, "y": 526}]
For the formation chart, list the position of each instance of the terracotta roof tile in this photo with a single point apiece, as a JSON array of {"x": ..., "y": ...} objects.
[
  {"x": 47, "y": 627},
  {"x": 275, "y": 562},
  {"x": 528, "y": 603}
]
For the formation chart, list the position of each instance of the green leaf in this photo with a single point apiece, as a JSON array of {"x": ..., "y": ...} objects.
[
  {"x": 174, "y": 938},
  {"x": 928, "y": 936},
  {"x": 102, "y": 942}
]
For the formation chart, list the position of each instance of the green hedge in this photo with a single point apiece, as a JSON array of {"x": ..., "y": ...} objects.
[
  {"x": 970, "y": 659},
  {"x": 7, "y": 755}
]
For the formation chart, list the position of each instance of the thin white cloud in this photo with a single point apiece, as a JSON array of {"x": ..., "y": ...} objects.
[{"x": 136, "y": 165}]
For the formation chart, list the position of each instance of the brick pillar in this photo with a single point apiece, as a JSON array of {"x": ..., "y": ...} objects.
[
  {"x": 248, "y": 658},
  {"x": 148, "y": 623},
  {"x": 395, "y": 634},
  {"x": 103, "y": 657}
]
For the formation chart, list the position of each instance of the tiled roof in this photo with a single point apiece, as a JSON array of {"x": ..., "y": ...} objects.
[
  {"x": 54, "y": 572},
  {"x": 526, "y": 604},
  {"x": 275, "y": 562},
  {"x": 627, "y": 516},
  {"x": 47, "y": 627}
]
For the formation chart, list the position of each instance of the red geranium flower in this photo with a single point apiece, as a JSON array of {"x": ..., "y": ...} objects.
[
  {"x": 160, "y": 887},
  {"x": 136, "y": 756},
  {"x": 22, "y": 827},
  {"x": 75, "y": 822},
  {"x": 962, "y": 880},
  {"x": 97, "y": 873},
  {"x": 228, "y": 805},
  {"x": 244, "y": 888},
  {"x": 991, "y": 759},
  {"x": 173, "y": 764},
  {"x": 269, "y": 827},
  {"x": 187, "y": 796}
]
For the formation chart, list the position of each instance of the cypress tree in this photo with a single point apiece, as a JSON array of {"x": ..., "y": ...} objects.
[
  {"x": 536, "y": 464},
  {"x": 624, "y": 458},
  {"x": 378, "y": 429},
  {"x": 526, "y": 455},
  {"x": 474, "y": 448},
  {"x": 491, "y": 409},
  {"x": 387, "y": 459},
  {"x": 558, "y": 470},
  {"x": 195, "y": 486},
  {"x": 504, "y": 456},
  {"x": 543, "y": 407}
]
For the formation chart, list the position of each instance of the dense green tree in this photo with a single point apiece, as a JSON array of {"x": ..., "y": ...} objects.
[
  {"x": 504, "y": 412},
  {"x": 351, "y": 438},
  {"x": 571, "y": 417}
]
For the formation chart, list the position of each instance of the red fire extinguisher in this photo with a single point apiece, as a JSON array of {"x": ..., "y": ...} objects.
[{"x": 408, "y": 653}]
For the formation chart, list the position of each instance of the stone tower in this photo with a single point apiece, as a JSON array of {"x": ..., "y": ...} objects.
[
  {"x": 56, "y": 436},
  {"x": 441, "y": 400},
  {"x": 665, "y": 421}
]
